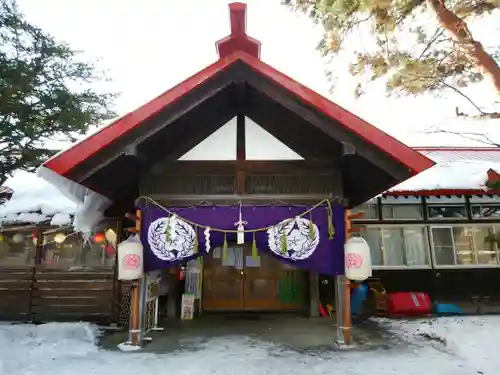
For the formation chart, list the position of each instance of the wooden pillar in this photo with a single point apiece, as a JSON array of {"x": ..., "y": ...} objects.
[
  {"x": 347, "y": 286},
  {"x": 173, "y": 286},
  {"x": 135, "y": 300},
  {"x": 240, "y": 155},
  {"x": 313, "y": 294},
  {"x": 343, "y": 296}
]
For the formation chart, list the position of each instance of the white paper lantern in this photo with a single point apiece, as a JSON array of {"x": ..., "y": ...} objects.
[
  {"x": 358, "y": 262},
  {"x": 60, "y": 238},
  {"x": 18, "y": 238},
  {"x": 110, "y": 236},
  {"x": 130, "y": 259}
]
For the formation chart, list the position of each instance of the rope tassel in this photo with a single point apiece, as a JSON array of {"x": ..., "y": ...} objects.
[
  {"x": 255, "y": 253},
  {"x": 224, "y": 248},
  {"x": 196, "y": 242},
  {"x": 312, "y": 234},
  {"x": 331, "y": 228},
  {"x": 284, "y": 243}
]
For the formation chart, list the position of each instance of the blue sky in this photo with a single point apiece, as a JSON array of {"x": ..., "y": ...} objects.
[{"x": 148, "y": 46}]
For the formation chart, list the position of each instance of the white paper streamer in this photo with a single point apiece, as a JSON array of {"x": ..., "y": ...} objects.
[
  {"x": 207, "y": 239},
  {"x": 240, "y": 224}
]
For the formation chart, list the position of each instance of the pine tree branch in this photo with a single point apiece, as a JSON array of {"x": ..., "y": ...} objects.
[
  {"x": 437, "y": 34},
  {"x": 458, "y": 28},
  {"x": 482, "y": 114}
]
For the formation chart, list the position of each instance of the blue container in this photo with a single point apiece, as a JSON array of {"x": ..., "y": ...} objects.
[
  {"x": 358, "y": 298},
  {"x": 447, "y": 309}
]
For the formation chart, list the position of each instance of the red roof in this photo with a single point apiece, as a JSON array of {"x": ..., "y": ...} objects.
[{"x": 239, "y": 47}]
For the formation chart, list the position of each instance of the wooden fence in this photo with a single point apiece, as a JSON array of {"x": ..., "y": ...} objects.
[{"x": 38, "y": 294}]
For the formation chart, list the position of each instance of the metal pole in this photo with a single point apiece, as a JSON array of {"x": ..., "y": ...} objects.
[{"x": 142, "y": 307}]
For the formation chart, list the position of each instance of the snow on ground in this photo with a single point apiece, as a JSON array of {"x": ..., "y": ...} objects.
[{"x": 471, "y": 347}]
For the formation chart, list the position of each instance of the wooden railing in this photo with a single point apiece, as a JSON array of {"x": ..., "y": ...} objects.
[{"x": 39, "y": 294}]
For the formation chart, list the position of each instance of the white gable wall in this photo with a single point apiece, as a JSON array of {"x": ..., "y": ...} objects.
[{"x": 259, "y": 144}]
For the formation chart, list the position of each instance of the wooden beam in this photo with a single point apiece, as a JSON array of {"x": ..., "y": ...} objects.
[
  {"x": 163, "y": 119},
  {"x": 240, "y": 155},
  {"x": 188, "y": 167},
  {"x": 192, "y": 129}
]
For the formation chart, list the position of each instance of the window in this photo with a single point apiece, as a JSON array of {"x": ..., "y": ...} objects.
[
  {"x": 402, "y": 211},
  {"x": 397, "y": 246},
  {"x": 460, "y": 245},
  {"x": 451, "y": 212},
  {"x": 485, "y": 245},
  {"x": 486, "y": 211},
  {"x": 17, "y": 248},
  {"x": 369, "y": 210}
]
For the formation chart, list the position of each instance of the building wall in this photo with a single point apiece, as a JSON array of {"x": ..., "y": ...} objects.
[{"x": 446, "y": 246}]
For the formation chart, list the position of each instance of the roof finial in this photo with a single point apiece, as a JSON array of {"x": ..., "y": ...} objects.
[{"x": 238, "y": 40}]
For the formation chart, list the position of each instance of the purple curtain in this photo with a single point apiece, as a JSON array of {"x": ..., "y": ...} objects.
[{"x": 170, "y": 240}]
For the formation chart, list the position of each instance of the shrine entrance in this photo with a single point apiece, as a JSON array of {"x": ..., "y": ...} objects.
[
  {"x": 333, "y": 161},
  {"x": 242, "y": 282}
]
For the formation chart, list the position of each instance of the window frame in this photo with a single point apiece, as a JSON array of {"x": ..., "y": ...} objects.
[
  {"x": 490, "y": 218},
  {"x": 428, "y": 256},
  {"x": 437, "y": 220},
  {"x": 362, "y": 208},
  {"x": 392, "y": 205},
  {"x": 496, "y": 229}
]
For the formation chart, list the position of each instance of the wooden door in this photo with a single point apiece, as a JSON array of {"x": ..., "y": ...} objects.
[
  {"x": 260, "y": 281},
  {"x": 241, "y": 282},
  {"x": 223, "y": 281}
]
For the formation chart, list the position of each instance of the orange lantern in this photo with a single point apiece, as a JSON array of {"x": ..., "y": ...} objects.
[{"x": 99, "y": 238}]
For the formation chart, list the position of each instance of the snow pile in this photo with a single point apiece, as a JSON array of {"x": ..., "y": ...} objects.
[
  {"x": 23, "y": 347},
  {"x": 460, "y": 174},
  {"x": 458, "y": 346},
  {"x": 470, "y": 340},
  {"x": 35, "y": 201}
]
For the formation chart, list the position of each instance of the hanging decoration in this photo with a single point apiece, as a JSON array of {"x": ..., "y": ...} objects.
[
  {"x": 240, "y": 224},
  {"x": 130, "y": 259},
  {"x": 111, "y": 237},
  {"x": 171, "y": 238},
  {"x": 18, "y": 238},
  {"x": 302, "y": 236},
  {"x": 224, "y": 248},
  {"x": 295, "y": 239},
  {"x": 207, "y": 239},
  {"x": 358, "y": 264},
  {"x": 99, "y": 238},
  {"x": 59, "y": 238},
  {"x": 255, "y": 253}
]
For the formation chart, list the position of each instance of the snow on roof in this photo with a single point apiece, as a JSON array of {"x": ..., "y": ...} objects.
[
  {"x": 35, "y": 201},
  {"x": 456, "y": 169}
]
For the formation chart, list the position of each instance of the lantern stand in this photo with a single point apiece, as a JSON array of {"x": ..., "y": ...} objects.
[
  {"x": 347, "y": 289},
  {"x": 343, "y": 290},
  {"x": 135, "y": 302}
]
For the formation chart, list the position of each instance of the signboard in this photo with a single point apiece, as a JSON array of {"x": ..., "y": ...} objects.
[{"x": 187, "y": 306}]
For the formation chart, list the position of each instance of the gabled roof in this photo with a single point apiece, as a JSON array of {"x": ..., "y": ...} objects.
[
  {"x": 238, "y": 47},
  {"x": 268, "y": 95}
]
